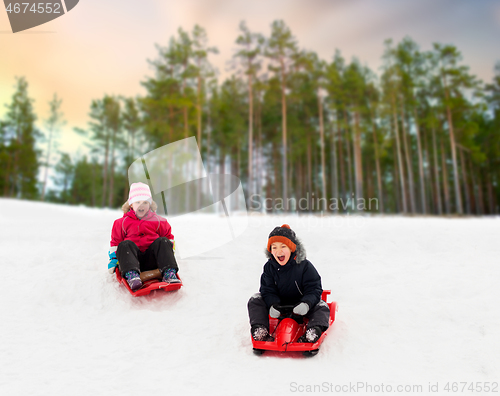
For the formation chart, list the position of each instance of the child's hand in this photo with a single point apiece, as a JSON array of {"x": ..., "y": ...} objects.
[
  {"x": 301, "y": 309},
  {"x": 113, "y": 262},
  {"x": 274, "y": 313}
]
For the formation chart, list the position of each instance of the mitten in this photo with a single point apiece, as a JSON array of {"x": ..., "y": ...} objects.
[
  {"x": 173, "y": 244},
  {"x": 301, "y": 309},
  {"x": 273, "y": 312},
  {"x": 113, "y": 262}
]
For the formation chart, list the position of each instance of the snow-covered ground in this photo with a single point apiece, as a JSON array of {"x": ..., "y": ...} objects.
[{"x": 417, "y": 306}]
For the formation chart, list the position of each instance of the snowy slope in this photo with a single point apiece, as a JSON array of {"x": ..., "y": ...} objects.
[{"x": 417, "y": 305}]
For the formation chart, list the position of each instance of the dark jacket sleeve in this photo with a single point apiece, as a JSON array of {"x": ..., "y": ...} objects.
[
  {"x": 268, "y": 289},
  {"x": 311, "y": 282}
]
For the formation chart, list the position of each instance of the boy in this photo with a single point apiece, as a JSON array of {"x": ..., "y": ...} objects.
[{"x": 288, "y": 279}]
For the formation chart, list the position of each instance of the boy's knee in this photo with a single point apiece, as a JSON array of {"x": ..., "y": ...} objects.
[{"x": 255, "y": 299}]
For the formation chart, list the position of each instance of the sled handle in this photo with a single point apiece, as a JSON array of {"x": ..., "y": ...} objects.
[
  {"x": 149, "y": 275},
  {"x": 325, "y": 294}
]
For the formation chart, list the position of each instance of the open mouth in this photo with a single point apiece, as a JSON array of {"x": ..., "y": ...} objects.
[{"x": 281, "y": 258}]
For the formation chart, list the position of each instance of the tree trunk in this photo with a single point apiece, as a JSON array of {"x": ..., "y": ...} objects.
[
  {"x": 300, "y": 182},
  {"x": 284, "y": 133},
  {"x": 458, "y": 199},
  {"x": 260, "y": 156},
  {"x": 369, "y": 182},
  {"x": 222, "y": 169},
  {"x": 277, "y": 181},
  {"x": 322, "y": 143},
  {"x": 409, "y": 167},
  {"x": 357, "y": 159},
  {"x": 6, "y": 179},
  {"x": 291, "y": 179},
  {"x": 342, "y": 163},
  {"x": 377, "y": 166},
  {"x": 420, "y": 164},
  {"x": 105, "y": 171},
  {"x": 335, "y": 178},
  {"x": 94, "y": 176},
  {"x": 112, "y": 170},
  {"x": 15, "y": 168},
  {"x": 198, "y": 111},
  {"x": 309, "y": 173},
  {"x": 464, "y": 181},
  {"x": 439, "y": 204},
  {"x": 427, "y": 172},
  {"x": 400, "y": 160},
  {"x": 475, "y": 198},
  {"x": 445, "y": 180},
  {"x": 349, "y": 157},
  {"x": 250, "y": 136},
  {"x": 397, "y": 187},
  {"x": 47, "y": 165},
  {"x": 480, "y": 191},
  {"x": 491, "y": 200}
]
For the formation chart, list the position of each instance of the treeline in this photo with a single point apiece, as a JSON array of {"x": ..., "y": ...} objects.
[{"x": 303, "y": 134}]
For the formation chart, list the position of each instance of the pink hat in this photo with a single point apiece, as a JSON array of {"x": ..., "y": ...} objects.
[{"x": 139, "y": 192}]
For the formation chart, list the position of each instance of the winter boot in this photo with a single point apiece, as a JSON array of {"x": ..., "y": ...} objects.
[
  {"x": 260, "y": 333},
  {"x": 311, "y": 335},
  {"x": 170, "y": 277},
  {"x": 133, "y": 279}
]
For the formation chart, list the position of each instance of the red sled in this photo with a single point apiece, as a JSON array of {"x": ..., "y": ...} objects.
[
  {"x": 151, "y": 280},
  {"x": 286, "y": 332}
]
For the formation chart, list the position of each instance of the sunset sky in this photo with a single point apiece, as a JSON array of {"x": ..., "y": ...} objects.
[{"x": 102, "y": 47}]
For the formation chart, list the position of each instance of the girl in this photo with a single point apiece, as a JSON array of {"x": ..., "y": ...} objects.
[
  {"x": 288, "y": 279},
  {"x": 141, "y": 240}
]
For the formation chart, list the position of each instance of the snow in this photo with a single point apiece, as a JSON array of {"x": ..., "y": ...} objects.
[{"x": 417, "y": 306}]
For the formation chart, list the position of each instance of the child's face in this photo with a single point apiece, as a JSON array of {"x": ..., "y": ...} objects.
[
  {"x": 141, "y": 208},
  {"x": 281, "y": 252}
]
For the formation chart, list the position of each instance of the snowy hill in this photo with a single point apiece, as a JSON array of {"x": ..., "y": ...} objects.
[{"x": 417, "y": 306}]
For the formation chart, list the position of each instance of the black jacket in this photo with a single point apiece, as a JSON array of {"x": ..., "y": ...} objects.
[{"x": 296, "y": 281}]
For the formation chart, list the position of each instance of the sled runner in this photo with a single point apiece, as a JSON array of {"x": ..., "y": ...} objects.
[
  {"x": 286, "y": 330},
  {"x": 151, "y": 280}
]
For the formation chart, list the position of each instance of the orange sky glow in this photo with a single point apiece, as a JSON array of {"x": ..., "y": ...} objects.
[{"x": 102, "y": 47}]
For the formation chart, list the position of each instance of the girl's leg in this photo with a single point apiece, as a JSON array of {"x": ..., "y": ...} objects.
[
  {"x": 128, "y": 257},
  {"x": 160, "y": 254}
]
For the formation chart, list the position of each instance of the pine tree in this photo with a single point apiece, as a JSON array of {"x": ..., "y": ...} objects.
[
  {"x": 53, "y": 123},
  {"x": 20, "y": 133},
  {"x": 251, "y": 44},
  {"x": 281, "y": 47}
]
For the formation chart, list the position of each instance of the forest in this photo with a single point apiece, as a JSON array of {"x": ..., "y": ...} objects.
[{"x": 419, "y": 136}]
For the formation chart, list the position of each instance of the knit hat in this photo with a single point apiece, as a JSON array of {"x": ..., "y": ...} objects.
[
  {"x": 283, "y": 234},
  {"x": 139, "y": 192}
]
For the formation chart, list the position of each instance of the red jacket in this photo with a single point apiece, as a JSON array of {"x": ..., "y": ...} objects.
[{"x": 143, "y": 232}]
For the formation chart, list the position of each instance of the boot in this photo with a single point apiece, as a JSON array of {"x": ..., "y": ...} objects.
[
  {"x": 169, "y": 276},
  {"x": 260, "y": 333},
  {"x": 311, "y": 335},
  {"x": 133, "y": 279}
]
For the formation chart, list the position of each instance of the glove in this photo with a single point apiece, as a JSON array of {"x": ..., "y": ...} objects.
[
  {"x": 113, "y": 262},
  {"x": 274, "y": 313},
  {"x": 173, "y": 244},
  {"x": 301, "y": 309}
]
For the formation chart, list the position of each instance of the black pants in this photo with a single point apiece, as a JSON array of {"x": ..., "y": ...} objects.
[
  {"x": 159, "y": 255},
  {"x": 319, "y": 315}
]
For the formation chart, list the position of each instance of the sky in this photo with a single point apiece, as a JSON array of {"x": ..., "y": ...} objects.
[{"x": 102, "y": 47}]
